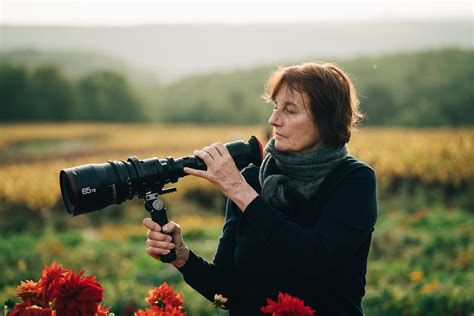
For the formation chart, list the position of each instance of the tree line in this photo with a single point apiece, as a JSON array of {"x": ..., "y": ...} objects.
[
  {"x": 427, "y": 88},
  {"x": 45, "y": 94}
]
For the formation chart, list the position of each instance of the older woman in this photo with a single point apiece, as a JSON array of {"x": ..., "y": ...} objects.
[{"x": 302, "y": 222}]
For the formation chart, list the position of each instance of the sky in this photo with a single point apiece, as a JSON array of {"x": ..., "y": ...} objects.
[{"x": 139, "y": 12}]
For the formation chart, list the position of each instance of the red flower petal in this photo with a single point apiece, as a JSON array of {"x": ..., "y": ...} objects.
[
  {"x": 26, "y": 309},
  {"x": 50, "y": 277},
  {"x": 77, "y": 295},
  {"x": 287, "y": 305},
  {"x": 164, "y": 297},
  {"x": 29, "y": 291}
]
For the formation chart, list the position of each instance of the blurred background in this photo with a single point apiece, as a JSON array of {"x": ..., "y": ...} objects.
[{"x": 89, "y": 81}]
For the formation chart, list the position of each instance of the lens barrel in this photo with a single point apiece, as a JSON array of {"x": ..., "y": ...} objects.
[{"x": 92, "y": 187}]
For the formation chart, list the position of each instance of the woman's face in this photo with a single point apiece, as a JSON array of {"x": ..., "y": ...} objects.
[{"x": 292, "y": 122}]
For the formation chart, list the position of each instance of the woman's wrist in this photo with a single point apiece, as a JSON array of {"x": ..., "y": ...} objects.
[
  {"x": 243, "y": 196},
  {"x": 182, "y": 255}
]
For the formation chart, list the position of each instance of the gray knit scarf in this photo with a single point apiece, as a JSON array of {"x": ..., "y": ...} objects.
[{"x": 303, "y": 172}]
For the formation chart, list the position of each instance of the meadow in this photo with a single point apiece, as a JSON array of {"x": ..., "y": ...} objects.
[{"x": 422, "y": 257}]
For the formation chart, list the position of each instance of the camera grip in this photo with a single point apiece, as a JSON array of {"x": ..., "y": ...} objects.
[{"x": 160, "y": 217}]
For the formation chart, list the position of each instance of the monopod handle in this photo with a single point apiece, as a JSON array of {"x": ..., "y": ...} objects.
[{"x": 160, "y": 217}]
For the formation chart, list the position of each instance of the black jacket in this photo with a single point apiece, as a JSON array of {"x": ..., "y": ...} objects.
[{"x": 316, "y": 250}]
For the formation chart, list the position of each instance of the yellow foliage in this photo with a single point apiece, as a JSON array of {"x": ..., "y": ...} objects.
[
  {"x": 416, "y": 276},
  {"x": 430, "y": 287},
  {"x": 195, "y": 222},
  {"x": 429, "y": 156},
  {"x": 191, "y": 222}
]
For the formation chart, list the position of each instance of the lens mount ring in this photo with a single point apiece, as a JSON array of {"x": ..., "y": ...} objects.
[
  {"x": 173, "y": 169},
  {"x": 141, "y": 185}
]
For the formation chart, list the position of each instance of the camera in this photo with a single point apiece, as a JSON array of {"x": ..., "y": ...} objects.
[{"x": 92, "y": 187}]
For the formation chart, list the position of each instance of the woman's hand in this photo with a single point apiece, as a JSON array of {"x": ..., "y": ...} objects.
[
  {"x": 222, "y": 171},
  {"x": 162, "y": 239}
]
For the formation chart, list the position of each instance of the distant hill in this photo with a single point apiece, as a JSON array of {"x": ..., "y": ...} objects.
[
  {"x": 175, "y": 51},
  {"x": 425, "y": 88},
  {"x": 422, "y": 88},
  {"x": 75, "y": 63}
]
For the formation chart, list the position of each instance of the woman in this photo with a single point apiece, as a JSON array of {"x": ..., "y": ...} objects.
[{"x": 302, "y": 222}]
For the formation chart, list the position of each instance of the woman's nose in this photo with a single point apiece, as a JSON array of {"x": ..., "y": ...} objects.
[{"x": 275, "y": 118}]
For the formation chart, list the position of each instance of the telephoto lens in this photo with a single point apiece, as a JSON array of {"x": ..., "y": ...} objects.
[{"x": 92, "y": 187}]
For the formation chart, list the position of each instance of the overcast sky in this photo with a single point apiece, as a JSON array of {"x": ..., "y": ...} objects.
[{"x": 136, "y": 12}]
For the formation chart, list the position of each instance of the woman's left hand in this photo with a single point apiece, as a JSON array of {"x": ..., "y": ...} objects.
[{"x": 222, "y": 171}]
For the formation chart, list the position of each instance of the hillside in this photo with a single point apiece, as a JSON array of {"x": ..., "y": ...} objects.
[
  {"x": 75, "y": 64},
  {"x": 176, "y": 51},
  {"x": 426, "y": 88}
]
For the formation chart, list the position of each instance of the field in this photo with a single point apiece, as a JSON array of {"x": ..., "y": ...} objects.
[{"x": 422, "y": 257}]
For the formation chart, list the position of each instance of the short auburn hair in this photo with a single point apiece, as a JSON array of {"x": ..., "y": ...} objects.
[{"x": 334, "y": 103}]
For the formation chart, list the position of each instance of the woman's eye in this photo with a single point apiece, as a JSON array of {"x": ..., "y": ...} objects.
[{"x": 285, "y": 109}]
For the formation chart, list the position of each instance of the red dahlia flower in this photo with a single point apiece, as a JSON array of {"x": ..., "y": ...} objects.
[
  {"x": 77, "y": 295},
  {"x": 164, "y": 298},
  {"x": 51, "y": 276},
  {"x": 287, "y": 305},
  {"x": 29, "y": 291},
  {"x": 26, "y": 309},
  {"x": 157, "y": 311},
  {"x": 102, "y": 310}
]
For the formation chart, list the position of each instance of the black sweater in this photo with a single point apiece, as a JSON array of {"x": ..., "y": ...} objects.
[{"x": 315, "y": 250}]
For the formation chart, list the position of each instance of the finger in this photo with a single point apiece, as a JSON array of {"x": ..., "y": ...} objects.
[
  {"x": 207, "y": 150},
  {"x": 223, "y": 150},
  {"x": 205, "y": 156},
  {"x": 159, "y": 244},
  {"x": 158, "y": 236},
  {"x": 214, "y": 151},
  {"x": 156, "y": 252},
  {"x": 150, "y": 224},
  {"x": 171, "y": 227},
  {"x": 195, "y": 172},
  {"x": 215, "y": 154}
]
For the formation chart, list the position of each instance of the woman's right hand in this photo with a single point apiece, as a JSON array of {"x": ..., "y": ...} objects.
[{"x": 162, "y": 239}]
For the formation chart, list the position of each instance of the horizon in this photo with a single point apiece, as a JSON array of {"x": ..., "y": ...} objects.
[
  {"x": 106, "y": 13},
  {"x": 460, "y": 18}
]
